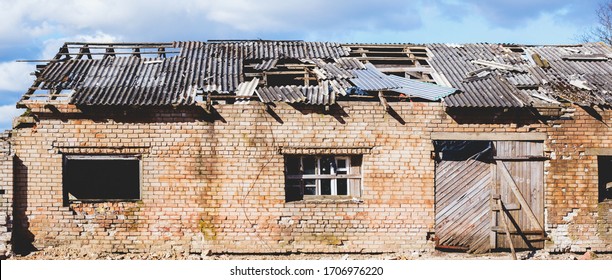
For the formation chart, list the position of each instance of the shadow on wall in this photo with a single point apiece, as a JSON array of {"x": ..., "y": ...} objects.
[
  {"x": 128, "y": 114},
  {"x": 22, "y": 238}
]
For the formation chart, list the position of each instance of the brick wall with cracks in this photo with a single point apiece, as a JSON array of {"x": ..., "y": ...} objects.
[{"x": 218, "y": 183}]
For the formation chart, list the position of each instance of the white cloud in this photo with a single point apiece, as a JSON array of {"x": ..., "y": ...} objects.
[
  {"x": 28, "y": 20},
  {"x": 7, "y": 114},
  {"x": 15, "y": 76},
  {"x": 52, "y": 46}
]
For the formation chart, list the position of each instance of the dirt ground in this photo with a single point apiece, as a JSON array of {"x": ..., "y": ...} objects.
[{"x": 56, "y": 253}]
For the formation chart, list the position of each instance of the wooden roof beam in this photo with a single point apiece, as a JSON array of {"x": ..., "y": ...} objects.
[{"x": 383, "y": 101}]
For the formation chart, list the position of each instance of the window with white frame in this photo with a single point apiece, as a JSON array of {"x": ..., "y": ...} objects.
[{"x": 322, "y": 176}]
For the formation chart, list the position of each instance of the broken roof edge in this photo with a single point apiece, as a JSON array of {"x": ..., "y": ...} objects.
[{"x": 437, "y": 76}]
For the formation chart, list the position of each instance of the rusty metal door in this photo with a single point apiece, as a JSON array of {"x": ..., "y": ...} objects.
[{"x": 471, "y": 176}]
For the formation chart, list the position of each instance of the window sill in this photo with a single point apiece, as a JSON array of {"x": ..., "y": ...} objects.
[{"x": 321, "y": 199}]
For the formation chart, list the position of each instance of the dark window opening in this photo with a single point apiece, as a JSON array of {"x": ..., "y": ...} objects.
[
  {"x": 328, "y": 176},
  {"x": 459, "y": 150},
  {"x": 604, "y": 165},
  {"x": 101, "y": 178}
]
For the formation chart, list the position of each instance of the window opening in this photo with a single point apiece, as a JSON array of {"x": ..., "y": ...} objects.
[
  {"x": 327, "y": 175},
  {"x": 101, "y": 178},
  {"x": 604, "y": 164}
]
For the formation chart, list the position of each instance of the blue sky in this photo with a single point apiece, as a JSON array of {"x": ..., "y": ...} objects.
[{"x": 34, "y": 29}]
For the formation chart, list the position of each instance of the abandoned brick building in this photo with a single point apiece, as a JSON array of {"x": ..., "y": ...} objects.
[{"x": 291, "y": 146}]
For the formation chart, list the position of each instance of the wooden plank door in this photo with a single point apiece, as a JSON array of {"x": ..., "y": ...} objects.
[
  {"x": 463, "y": 213},
  {"x": 523, "y": 161}
]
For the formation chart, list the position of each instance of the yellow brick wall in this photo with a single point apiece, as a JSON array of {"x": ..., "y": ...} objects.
[
  {"x": 219, "y": 184},
  {"x": 6, "y": 198}
]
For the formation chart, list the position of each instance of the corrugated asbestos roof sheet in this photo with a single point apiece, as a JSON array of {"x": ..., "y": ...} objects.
[
  {"x": 323, "y": 94},
  {"x": 209, "y": 67},
  {"x": 132, "y": 81},
  {"x": 270, "y": 49},
  {"x": 481, "y": 75},
  {"x": 581, "y": 74},
  {"x": 314, "y": 95},
  {"x": 492, "y": 75}
]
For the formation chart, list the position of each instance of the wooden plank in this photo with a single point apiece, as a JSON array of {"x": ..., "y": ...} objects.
[
  {"x": 494, "y": 215},
  {"x": 405, "y": 69},
  {"x": 461, "y": 197},
  {"x": 383, "y": 101},
  {"x": 517, "y": 193},
  {"x": 462, "y": 208},
  {"x": 473, "y": 173},
  {"x": 503, "y": 218},
  {"x": 514, "y": 232},
  {"x": 493, "y": 136},
  {"x": 522, "y": 158}
]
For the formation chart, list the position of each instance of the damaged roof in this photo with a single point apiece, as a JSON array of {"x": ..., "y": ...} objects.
[
  {"x": 494, "y": 75},
  {"x": 322, "y": 73}
]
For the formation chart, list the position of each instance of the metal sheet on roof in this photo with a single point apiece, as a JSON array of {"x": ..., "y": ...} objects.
[
  {"x": 421, "y": 89},
  {"x": 372, "y": 79}
]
